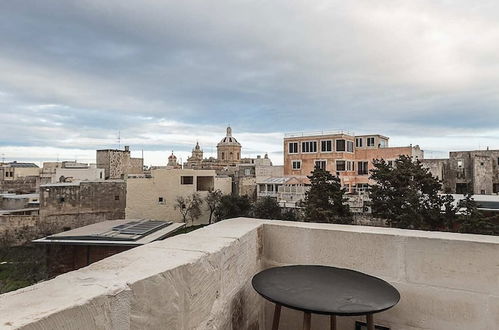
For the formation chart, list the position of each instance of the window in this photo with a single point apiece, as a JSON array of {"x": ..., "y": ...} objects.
[
  {"x": 247, "y": 171},
  {"x": 223, "y": 155},
  {"x": 309, "y": 146},
  {"x": 340, "y": 165},
  {"x": 370, "y": 142},
  {"x": 340, "y": 145},
  {"x": 161, "y": 200},
  {"x": 327, "y": 146},
  {"x": 361, "y": 188},
  {"x": 186, "y": 180},
  {"x": 362, "y": 168},
  {"x": 293, "y": 147},
  {"x": 296, "y": 164},
  {"x": 359, "y": 142},
  {"x": 460, "y": 164},
  {"x": 117, "y": 197},
  {"x": 350, "y": 146},
  {"x": 497, "y": 161},
  {"x": 320, "y": 164},
  {"x": 349, "y": 166}
]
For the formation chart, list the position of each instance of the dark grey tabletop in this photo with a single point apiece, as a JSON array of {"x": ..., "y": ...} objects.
[{"x": 325, "y": 290}]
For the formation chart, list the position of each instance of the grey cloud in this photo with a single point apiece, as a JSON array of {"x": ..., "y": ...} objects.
[{"x": 394, "y": 68}]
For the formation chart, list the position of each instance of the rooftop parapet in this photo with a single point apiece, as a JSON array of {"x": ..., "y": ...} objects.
[{"x": 202, "y": 280}]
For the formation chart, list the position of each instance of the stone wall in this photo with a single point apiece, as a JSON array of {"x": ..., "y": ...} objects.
[
  {"x": 196, "y": 281},
  {"x": 23, "y": 185},
  {"x": 202, "y": 280},
  {"x": 70, "y": 206},
  {"x": 446, "y": 280}
]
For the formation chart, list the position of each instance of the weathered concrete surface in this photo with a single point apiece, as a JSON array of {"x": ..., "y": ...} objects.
[
  {"x": 195, "y": 281},
  {"x": 446, "y": 280},
  {"x": 202, "y": 280}
]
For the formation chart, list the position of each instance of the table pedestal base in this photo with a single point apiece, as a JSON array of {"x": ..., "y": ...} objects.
[
  {"x": 277, "y": 315},
  {"x": 307, "y": 320}
]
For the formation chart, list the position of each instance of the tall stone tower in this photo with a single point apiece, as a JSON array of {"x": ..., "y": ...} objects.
[{"x": 229, "y": 150}]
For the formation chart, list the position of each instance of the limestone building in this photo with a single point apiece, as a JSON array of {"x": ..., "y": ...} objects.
[
  {"x": 71, "y": 205},
  {"x": 117, "y": 164},
  {"x": 467, "y": 171},
  {"x": 70, "y": 171},
  {"x": 154, "y": 197}
]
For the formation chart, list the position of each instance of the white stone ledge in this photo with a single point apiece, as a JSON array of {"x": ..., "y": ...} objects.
[{"x": 201, "y": 280}]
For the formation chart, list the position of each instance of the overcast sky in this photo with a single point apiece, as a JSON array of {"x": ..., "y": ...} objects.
[{"x": 167, "y": 73}]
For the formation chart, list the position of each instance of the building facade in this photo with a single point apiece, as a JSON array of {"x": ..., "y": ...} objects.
[
  {"x": 71, "y": 205},
  {"x": 346, "y": 155},
  {"x": 117, "y": 164},
  {"x": 154, "y": 197},
  {"x": 70, "y": 171},
  {"x": 467, "y": 171}
]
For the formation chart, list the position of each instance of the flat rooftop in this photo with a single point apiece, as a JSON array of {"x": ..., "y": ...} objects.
[{"x": 115, "y": 232}]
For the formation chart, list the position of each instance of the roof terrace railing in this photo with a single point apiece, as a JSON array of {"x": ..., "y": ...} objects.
[{"x": 317, "y": 133}]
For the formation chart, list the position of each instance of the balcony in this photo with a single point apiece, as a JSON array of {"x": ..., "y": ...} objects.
[{"x": 201, "y": 280}]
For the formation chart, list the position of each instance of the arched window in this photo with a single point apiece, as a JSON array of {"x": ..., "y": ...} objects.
[
  {"x": 231, "y": 156},
  {"x": 223, "y": 155},
  {"x": 238, "y": 156}
]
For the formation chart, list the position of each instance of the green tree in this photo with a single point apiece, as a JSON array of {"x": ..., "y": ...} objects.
[
  {"x": 292, "y": 215},
  {"x": 233, "y": 206},
  {"x": 267, "y": 208},
  {"x": 472, "y": 221},
  {"x": 212, "y": 200},
  {"x": 189, "y": 207},
  {"x": 407, "y": 195},
  {"x": 325, "y": 200}
]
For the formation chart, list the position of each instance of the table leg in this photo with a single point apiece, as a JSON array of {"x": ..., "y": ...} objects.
[
  {"x": 370, "y": 321},
  {"x": 307, "y": 321},
  {"x": 333, "y": 322},
  {"x": 277, "y": 315}
]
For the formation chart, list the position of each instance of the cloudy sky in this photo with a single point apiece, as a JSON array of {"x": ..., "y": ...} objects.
[{"x": 167, "y": 73}]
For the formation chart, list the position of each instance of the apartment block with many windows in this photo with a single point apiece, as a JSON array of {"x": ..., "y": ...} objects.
[{"x": 344, "y": 154}]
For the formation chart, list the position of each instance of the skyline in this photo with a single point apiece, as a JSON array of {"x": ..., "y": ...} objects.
[{"x": 167, "y": 74}]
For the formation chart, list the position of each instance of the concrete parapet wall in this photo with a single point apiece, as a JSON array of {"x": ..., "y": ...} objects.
[
  {"x": 446, "y": 280},
  {"x": 196, "y": 281},
  {"x": 202, "y": 280}
]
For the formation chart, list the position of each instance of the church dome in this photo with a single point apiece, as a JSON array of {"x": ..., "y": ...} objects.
[{"x": 229, "y": 140}]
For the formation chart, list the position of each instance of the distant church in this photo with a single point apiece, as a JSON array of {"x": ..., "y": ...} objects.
[{"x": 228, "y": 154}]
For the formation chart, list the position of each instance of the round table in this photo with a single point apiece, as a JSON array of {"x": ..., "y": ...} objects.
[{"x": 324, "y": 290}]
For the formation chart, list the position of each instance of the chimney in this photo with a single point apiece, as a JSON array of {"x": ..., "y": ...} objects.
[{"x": 127, "y": 148}]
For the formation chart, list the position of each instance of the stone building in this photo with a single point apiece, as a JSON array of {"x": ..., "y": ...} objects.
[
  {"x": 117, "y": 164},
  {"x": 71, "y": 205},
  {"x": 70, "y": 171},
  {"x": 196, "y": 158},
  {"x": 172, "y": 162},
  {"x": 14, "y": 170},
  {"x": 228, "y": 149},
  {"x": 19, "y": 178},
  {"x": 154, "y": 197},
  {"x": 467, "y": 171},
  {"x": 347, "y": 155}
]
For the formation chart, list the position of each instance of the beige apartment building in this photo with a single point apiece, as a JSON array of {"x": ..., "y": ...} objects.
[
  {"x": 153, "y": 197},
  {"x": 14, "y": 170},
  {"x": 344, "y": 154}
]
